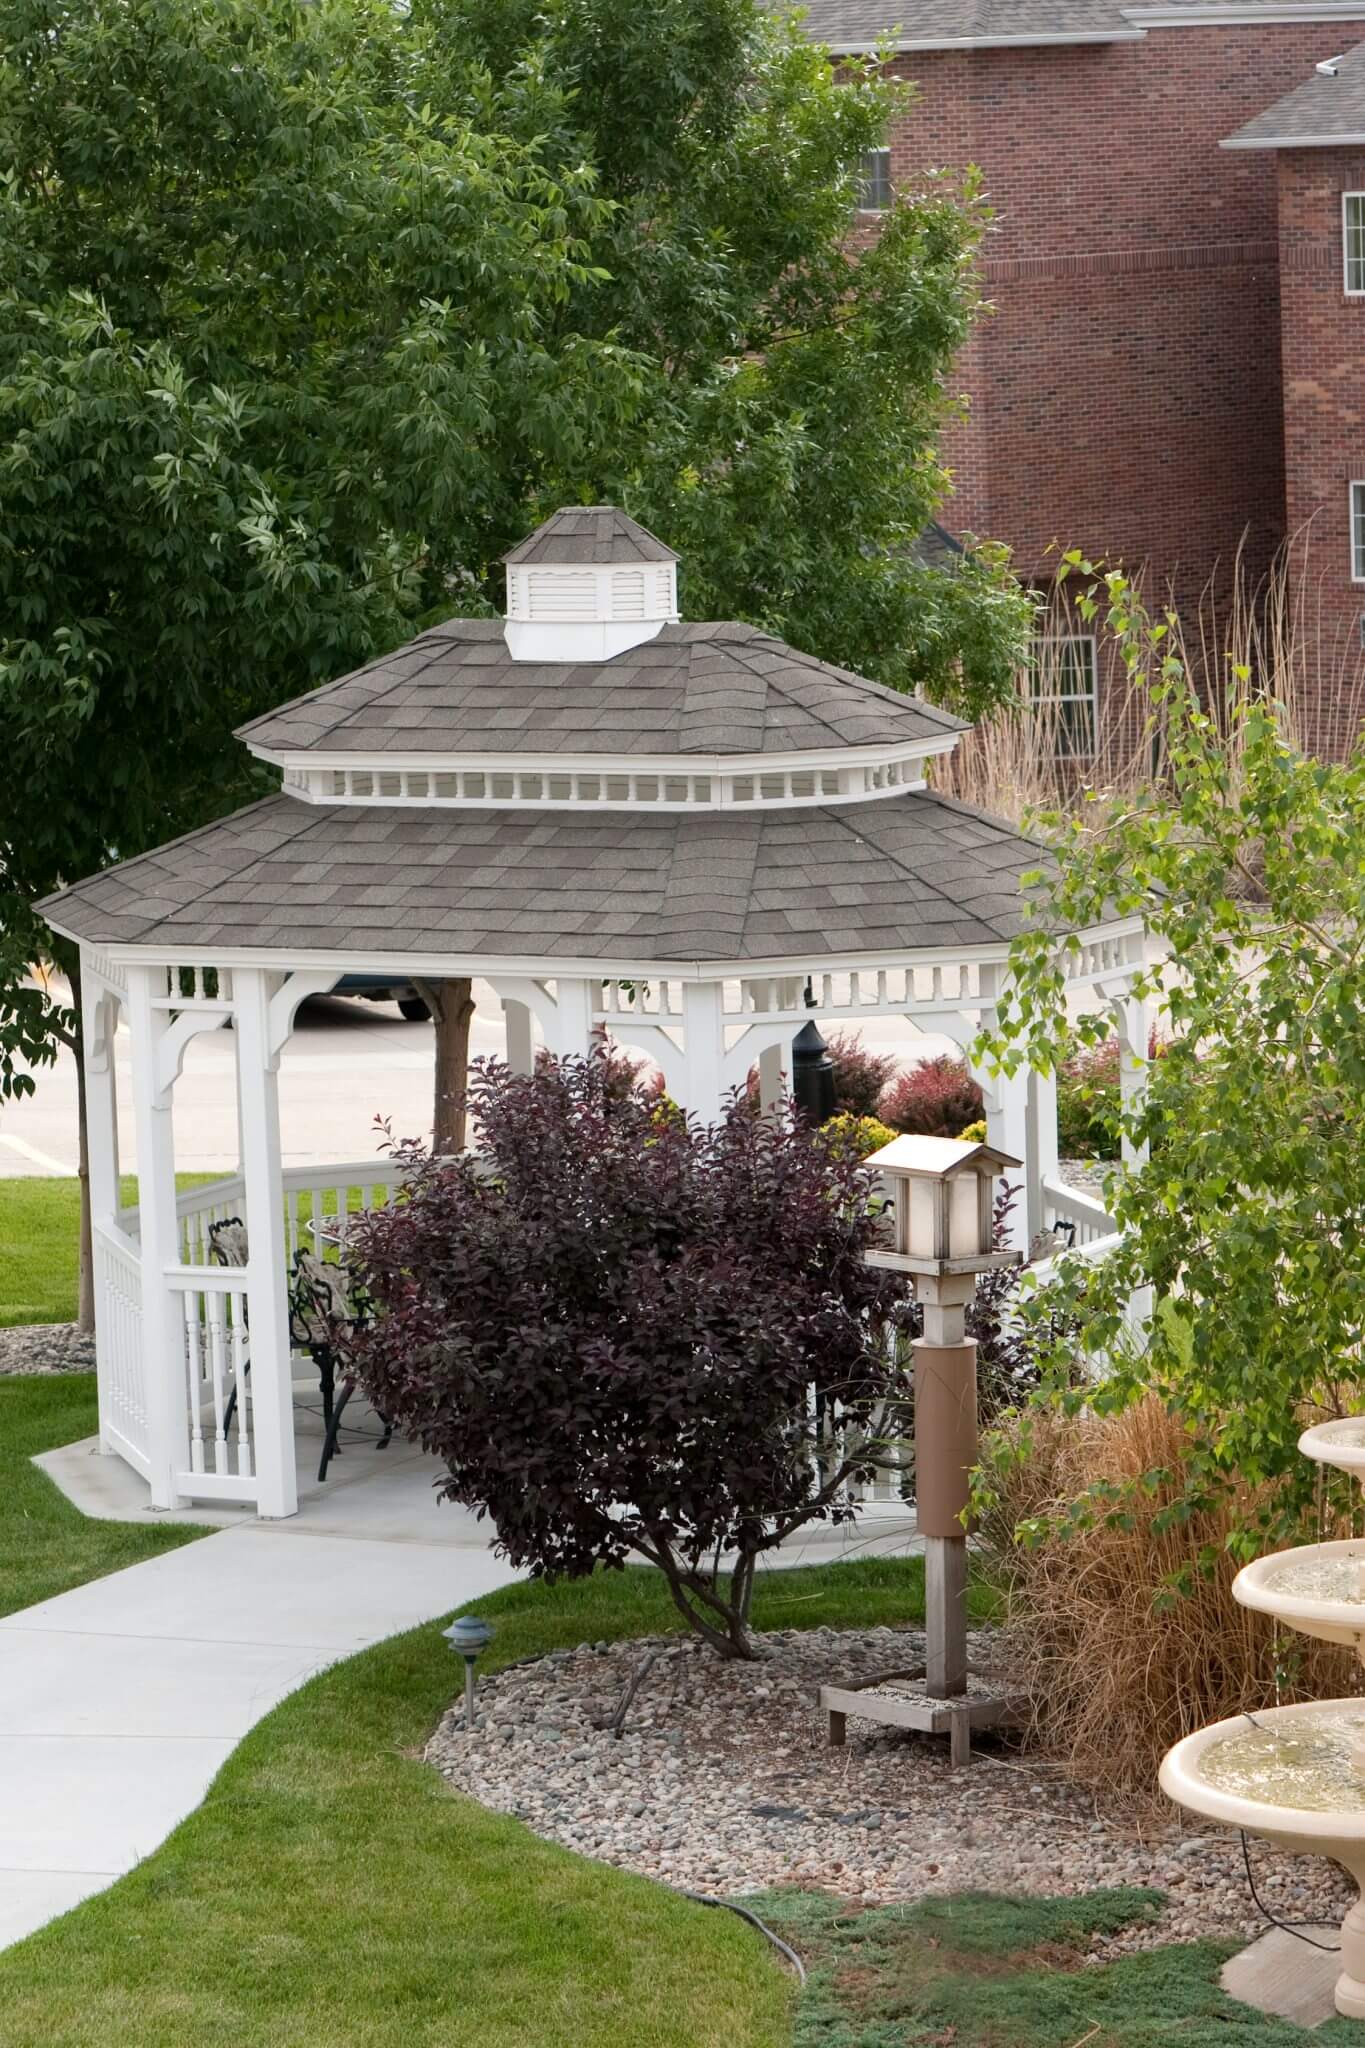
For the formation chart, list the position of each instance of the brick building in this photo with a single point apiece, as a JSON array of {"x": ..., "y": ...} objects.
[{"x": 1152, "y": 235}]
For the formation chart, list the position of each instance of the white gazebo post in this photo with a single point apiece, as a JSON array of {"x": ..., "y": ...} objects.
[
  {"x": 99, "y": 1022},
  {"x": 573, "y": 1017},
  {"x": 163, "y": 1330},
  {"x": 704, "y": 1049},
  {"x": 521, "y": 1056},
  {"x": 272, "y": 1392}
]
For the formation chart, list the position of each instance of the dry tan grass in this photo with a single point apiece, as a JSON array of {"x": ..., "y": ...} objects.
[
  {"x": 1265, "y": 639},
  {"x": 1112, "y": 1681}
]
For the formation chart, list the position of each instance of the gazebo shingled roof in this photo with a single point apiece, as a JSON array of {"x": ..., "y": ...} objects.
[
  {"x": 692, "y": 837},
  {"x": 693, "y": 689},
  {"x": 744, "y": 886}
]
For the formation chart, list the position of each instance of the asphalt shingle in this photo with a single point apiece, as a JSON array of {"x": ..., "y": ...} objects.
[{"x": 679, "y": 886}]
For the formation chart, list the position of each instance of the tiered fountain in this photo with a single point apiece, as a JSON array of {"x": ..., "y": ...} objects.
[{"x": 1296, "y": 1775}]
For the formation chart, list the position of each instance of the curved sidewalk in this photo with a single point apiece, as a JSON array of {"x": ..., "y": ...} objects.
[{"x": 120, "y": 1700}]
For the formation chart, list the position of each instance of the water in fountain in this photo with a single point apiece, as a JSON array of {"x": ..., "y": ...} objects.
[
  {"x": 1316, "y": 1763},
  {"x": 1320, "y": 1578}
]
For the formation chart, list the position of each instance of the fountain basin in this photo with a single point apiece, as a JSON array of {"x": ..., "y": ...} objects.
[
  {"x": 1250, "y": 1789},
  {"x": 1340, "y": 1443},
  {"x": 1312, "y": 1588}
]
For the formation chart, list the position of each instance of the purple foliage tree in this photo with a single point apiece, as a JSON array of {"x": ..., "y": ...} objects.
[{"x": 617, "y": 1329}]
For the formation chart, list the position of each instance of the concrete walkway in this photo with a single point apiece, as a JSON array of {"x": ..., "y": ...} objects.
[{"x": 120, "y": 1700}]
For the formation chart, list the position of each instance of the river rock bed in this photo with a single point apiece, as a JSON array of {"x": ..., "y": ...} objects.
[
  {"x": 46, "y": 1347},
  {"x": 722, "y": 1781}
]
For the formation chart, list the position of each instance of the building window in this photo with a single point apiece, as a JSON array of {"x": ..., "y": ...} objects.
[
  {"x": 1353, "y": 242},
  {"x": 874, "y": 181},
  {"x": 1062, "y": 688},
  {"x": 1358, "y": 533}
]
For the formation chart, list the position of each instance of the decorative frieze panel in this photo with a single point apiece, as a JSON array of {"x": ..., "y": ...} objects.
[{"x": 511, "y": 785}]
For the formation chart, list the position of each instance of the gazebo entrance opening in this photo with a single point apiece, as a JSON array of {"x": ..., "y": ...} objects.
[{"x": 690, "y": 837}]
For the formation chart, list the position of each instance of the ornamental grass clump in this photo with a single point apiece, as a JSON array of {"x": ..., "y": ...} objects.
[
  {"x": 1115, "y": 1670},
  {"x": 627, "y": 1335}
]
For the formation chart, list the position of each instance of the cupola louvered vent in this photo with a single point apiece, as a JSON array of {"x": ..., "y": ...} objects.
[{"x": 586, "y": 586}]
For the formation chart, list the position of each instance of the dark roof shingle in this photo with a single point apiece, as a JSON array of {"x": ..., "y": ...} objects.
[
  {"x": 902, "y": 873},
  {"x": 1324, "y": 110},
  {"x": 590, "y": 535},
  {"x": 692, "y": 689}
]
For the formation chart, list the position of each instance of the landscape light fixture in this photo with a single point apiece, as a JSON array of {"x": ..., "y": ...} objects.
[{"x": 467, "y": 1635}]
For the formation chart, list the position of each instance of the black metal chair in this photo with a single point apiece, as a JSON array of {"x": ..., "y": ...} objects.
[{"x": 324, "y": 1306}]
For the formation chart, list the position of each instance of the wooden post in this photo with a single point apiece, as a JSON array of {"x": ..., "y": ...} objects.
[
  {"x": 163, "y": 1326},
  {"x": 573, "y": 1018},
  {"x": 945, "y": 1452},
  {"x": 272, "y": 1391}
]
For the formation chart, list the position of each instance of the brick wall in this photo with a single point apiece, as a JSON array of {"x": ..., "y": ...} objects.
[
  {"x": 1126, "y": 392},
  {"x": 1323, "y": 339}
]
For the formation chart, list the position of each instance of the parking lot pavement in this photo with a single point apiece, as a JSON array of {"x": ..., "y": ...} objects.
[{"x": 347, "y": 1063}]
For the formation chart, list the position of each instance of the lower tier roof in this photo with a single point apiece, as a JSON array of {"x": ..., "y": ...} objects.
[{"x": 908, "y": 873}]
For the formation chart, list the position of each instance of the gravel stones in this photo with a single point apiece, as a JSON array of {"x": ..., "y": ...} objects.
[
  {"x": 46, "y": 1347},
  {"x": 722, "y": 1781}
]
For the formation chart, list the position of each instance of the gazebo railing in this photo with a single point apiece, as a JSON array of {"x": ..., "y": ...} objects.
[{"x": 212, "y": 1389}]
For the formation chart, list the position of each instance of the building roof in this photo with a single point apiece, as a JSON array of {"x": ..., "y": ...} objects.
[
  {"x": 585, "y": 535},
  {"x": 1327, "y": 108},
  {"x": 850, "y": 25},
  {"x": 909, "y": 872},
  {"x": 691, "y": 690}
]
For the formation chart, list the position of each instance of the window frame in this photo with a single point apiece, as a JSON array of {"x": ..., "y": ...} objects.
[
  {"x": 1090, "y": 697},
  {"x": 1352, "y": 291},
  {"x": 1355, "y": 515},
  {"x": 883, "y": 151}
]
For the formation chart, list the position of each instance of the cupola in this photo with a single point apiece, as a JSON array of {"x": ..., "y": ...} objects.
[{"x": 587, "y": 585}]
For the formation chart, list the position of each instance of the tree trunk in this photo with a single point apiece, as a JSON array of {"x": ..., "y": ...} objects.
[
  {"x": 452, "y": 1010},
  {"x": 85, "y": 1295}
]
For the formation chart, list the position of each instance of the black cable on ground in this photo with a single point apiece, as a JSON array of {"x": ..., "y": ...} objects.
[
  {"x": 700, "y": 1899},
  {"x": 1294, "y": 1927}
]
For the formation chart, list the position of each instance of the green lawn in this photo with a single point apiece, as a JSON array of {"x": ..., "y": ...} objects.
[
  {"x": 46, "y": 1545},
  {"x": 39, "y": 1245}
]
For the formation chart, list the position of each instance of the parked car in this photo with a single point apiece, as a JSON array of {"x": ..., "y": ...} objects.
[{"x": 376, "y": 988}]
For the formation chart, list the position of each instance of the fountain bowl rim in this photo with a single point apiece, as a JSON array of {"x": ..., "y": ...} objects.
[
  {"x": 1250, "y": 1588},
  {"x": 1178, "y": 1780},
  {"x": 1319, "y": 1443}
]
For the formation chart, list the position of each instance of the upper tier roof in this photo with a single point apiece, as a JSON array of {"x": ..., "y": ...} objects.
[
  {"x": 590, "y": 534},
  {"x": 692, "y": 690}
]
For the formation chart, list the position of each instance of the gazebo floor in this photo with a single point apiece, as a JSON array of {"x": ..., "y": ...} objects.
[{"x": 386, "y": 1496}]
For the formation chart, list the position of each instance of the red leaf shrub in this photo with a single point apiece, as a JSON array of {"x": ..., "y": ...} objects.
[
  {"x": 936, "y": 1099},
  {"x": 610, "y": 1326},
  {"x": 860, "y": 1075}
]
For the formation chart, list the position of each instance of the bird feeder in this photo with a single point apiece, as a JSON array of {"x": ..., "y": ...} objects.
[{"x": 940, "y": 1199}]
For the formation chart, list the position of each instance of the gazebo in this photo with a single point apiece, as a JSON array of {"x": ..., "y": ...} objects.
[{"x": 691, "y": 836}]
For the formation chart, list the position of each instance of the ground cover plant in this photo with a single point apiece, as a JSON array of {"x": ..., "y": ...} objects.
[
  {"x": 47, "y": 1545},
  {"x": 977, "y": 1970},
  {"x": 624, "y": 1333}
]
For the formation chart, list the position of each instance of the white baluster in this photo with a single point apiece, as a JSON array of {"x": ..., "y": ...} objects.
[{"x": 242, "y": 1385}]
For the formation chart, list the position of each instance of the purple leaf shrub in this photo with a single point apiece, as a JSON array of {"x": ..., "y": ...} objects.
[{"x": 615, "y": 1328}]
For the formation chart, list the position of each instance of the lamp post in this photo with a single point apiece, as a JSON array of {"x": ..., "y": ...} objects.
[
  {"x": 467, "y": 1635},
  {"x": 812, "y": 1075},
  {"x": 941, "y": 1198}
]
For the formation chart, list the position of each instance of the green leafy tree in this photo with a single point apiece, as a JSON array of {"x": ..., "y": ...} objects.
[
  {"x": 1247, "y": 1221},
  {"x": 307, "y": 312}
]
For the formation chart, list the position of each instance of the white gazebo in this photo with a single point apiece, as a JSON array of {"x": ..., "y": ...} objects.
[{"x": 690, "y": 835}]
